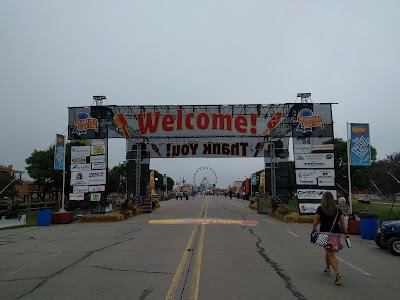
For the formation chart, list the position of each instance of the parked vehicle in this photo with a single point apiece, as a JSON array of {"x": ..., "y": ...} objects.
[{"x": 388, "y": 237}]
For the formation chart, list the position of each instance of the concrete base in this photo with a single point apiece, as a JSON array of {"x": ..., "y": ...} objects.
[{"x": 12, "y": 222}]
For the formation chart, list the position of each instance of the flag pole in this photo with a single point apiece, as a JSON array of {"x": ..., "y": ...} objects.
[
  {"x": 348, "y": 167},
  {"x": 63, "y": 188}
]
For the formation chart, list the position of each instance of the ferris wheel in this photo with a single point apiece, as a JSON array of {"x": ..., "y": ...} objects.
[{"x": 205, "y": 177}]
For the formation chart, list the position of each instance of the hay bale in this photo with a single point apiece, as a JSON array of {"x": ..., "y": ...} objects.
[{"x": 113, "y": 217}]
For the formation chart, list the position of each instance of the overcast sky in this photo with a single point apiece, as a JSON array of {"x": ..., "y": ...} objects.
[{"x": 56, "y": 54}]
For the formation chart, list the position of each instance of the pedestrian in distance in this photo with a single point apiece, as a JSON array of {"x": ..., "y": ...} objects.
[
  {"x": 176, "y": 195},
  {"x": 187, "y": 195},
  {"x": 181, "y": 194},
  {"x": 332, "y": 222}
]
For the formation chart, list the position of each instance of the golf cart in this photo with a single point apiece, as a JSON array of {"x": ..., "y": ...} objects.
[{"x": 388, "y": 237}]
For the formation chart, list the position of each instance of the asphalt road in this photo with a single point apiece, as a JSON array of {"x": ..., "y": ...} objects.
[{"x": 161, "y": 256}]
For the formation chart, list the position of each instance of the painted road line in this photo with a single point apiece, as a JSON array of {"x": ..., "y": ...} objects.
[
  {"x": 353, "y": 266},
  {"x": 194, "y": 290},
  {"x": 288, "y": 231},
  {"x": 270, "y": 221},
  {"x": 178, "y": 273},
  {"x": 30, "y": 265}
]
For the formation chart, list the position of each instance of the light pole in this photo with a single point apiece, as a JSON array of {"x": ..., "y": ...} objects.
[{"x": 165, "y": 183}]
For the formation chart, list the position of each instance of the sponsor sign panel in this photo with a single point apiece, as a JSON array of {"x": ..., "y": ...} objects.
[
  {"x": 307, "y": 148},
  {"x": 78, "y": 160},
  {"x": 308, "y": 208},
  {"x": 95, "y": 196},
  {"x": 307, "y": 120},
  {"x": 80, "y": 178},
  {"x": 98, "y": 142},
  {"x": 98, "y": 149},
  {"x": 80, "y": 151},
  {"x": 98, "y": 159},
  {"x": 84, "y": 122},
  {"x": 263, "y": 205},
  {"x": 314, "y": 161},
  {"x": 78, "y": 189},
  {"x": 306, "y": 194},
  {"x": 97, "y": 177},
  {"x": 326, "y": 181},
  {"x": 360, "y": 147},
  {"x": 304, "y": 177},
  {"x": 59, "y": 152},
  {"x": 80, "y": 167},
  {"x": 253, "y": 179},
  {"x": 77, "y": 197},
  {"x": 97, "y": 188},
  {"x": 98, "y": 166}
]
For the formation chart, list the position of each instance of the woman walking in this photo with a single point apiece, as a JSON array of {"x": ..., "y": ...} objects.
[{"x": 329, "y": 215}]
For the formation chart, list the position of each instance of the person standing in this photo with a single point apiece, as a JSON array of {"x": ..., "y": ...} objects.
[{"x": 330, "y": 216}]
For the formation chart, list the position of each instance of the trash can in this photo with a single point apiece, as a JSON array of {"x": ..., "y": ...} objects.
[
  {"x": 44, "y": 217},
  {"x": 368, "y": 225}
]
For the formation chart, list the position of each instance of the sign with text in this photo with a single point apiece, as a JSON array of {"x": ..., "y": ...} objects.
[
  {"x": 308, "y": 208},
  {"x": 326, "y": 181},
  {"x": 98, "y": 159},
  {"x": 80, "y": 178},
  {"x": 80, "y": 167},
  {"x": 99, "y": 166},
  {"x": 97, "y": 177},
  {"x": 307, "y": 148},
  {"x": 78, "y": 160},
  {"x": 77, "y": 197},
  {"x": 97, "y": 149},
  {"x": 78, "y": 189},
  {"x": 95, "y": 196},
  {"x": 97, "y": 188},
  {"x": 309, "y": 177},
  {"x": 263, "y": 204},
  {"x": 80, "y": 151},
  {"x": 59, "y": 153},
  {"x": 360, "y": 147},
  {"x": 314, "y": 161},
  {"x": 308, "y": 194}
]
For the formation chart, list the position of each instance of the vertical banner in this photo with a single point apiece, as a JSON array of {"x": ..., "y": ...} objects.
[
  {"x": 59, "y": 152},
  {"x": 360, "y": 147},
  {"x": 152, "y": 182},
  {"x": 262, "y": 183},
  {"x": 253, "y": 179}
]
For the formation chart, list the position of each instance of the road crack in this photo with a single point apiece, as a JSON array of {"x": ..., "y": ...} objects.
[{"x": 126, "y": 270}]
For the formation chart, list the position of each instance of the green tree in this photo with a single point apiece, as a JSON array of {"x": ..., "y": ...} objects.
[
  {"x": 114, "y": 178},
  {"x": 385, "y": 173},
  {"x": 9, "y": 181}
]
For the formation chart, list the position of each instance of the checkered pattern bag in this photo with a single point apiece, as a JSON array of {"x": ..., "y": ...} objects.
[{"x": 322, "y": 239}]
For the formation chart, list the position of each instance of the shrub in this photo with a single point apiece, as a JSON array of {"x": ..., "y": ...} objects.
[
  {"x": 113, "y": 217},
  {"x": 283, "y": 209},
  {"x": 296, "y": 218}
]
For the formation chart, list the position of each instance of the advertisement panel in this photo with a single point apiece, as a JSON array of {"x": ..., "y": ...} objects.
[
  {"x": 98, "y": 159},
  {"x": 97, "y": 188},
  {"x": 308, "y": 194},
  {"x": 262, "y": 183},
  {"x": 80, "y": 151},
  {"x": 95, "y": 196},
  {"x": 99, "y": 166},
  {"x": 97, "y": 149},
  {"x": 80, "y": 178},
  {"x": 314, "y": 161},
  {"x": 78, "y": 189},
  {"x": 80, "y": 167},
  {"x": 308, "y": 148},
  {"x": 78, "y": 160},
  {"x": 263, "y": 203},
  {"x": 253, "y": 179},
  {"x": 308, "y": 208},
  {"x": 326, "y": 181},
  {"x": 77, "y": 197},
  {"x": 97, "y": 177},
  {"x": 360, "y": 147},
  {"x": 59, "y": 152},
  {"x": 307, "y": 177},
  {"x": 98, "y": 142}
]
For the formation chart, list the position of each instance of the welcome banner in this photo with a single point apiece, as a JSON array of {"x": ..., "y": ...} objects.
[{"x": 360, "y": 146}]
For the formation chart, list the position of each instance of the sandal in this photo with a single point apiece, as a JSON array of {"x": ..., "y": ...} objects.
[
  {"x": 339, "y": 279},
  {"x": 327, "y": 271}
]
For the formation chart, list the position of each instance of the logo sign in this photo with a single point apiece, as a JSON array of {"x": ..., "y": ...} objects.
[
  {"x": 307, "y": 121},
  {"x": 98, "y": 159},
  {"x": 253, "y": 179},
  {"x": 326, "y": 181},
  {"x": 314, "y": 161},
  {"x": 306, "y": 177},
  {"x": 95, "y": 196},
  {"x": 122, "y": 124},
  {"x": 307, "y": 148},
  {"x": 98, "y": 166},
  {"x": 80, "y": 189},
  {"x": 84, "y": 122},
  {"x": 98, "y": 149},
  {"x": 79, "y": 178},
  {"x": 80, "y": 151},
  {"x": 97, "y": 188},
  {"x": 305, "y": 194},
  {"x": 308, "y": 208},
  {"x": 80, "y": 167},
  {"x": 77, "y": 197},
  {"x": 327, "y": 147},
  {"x": 59, "y": 152},
  {"x": 97, "y": 177},
  {"x": 360, "y": 146},
  {"x": 98, "y": 142},
  {"x": 78, "y": 160}
]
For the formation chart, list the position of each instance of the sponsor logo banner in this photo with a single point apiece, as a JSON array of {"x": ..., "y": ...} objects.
[
  {"x": 80, "y": 167},
  {"x": 78, "y": 160},
  {"x": 59, "y": 152},
  {"x": 77, "y": 197},
  {"x": 305, "y": 194},
  {"x": 97, "y": 177},
  {"x": 84, "y": 122},
  {"x": 98, "y": 142},
  {"x": 95, "y": 196},
  {"x": 80, "y": 151},
  {"x": 253, "y": 179},
  {"x": 99, "y": 166},
  {"x": 98, "y": 149},
  {"x": 97, "y": 188},
  {"x": 360, "y": 146},
  {"x": 304, "y": 177},
  {"x": 307, "y": 148},
  {"x": 308, "y": 208},
  {"x": 98, "y": 159},
  {"x": 80, "y": 189},
  {"x": 326, "y": 181},
  {"x": 314, "y": 161},
  {"x": 307, "y": 121},
  {"x": 80, "y": 178}
]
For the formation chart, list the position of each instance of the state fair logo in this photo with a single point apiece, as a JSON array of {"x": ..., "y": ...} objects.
[
  {"x": 307, "y": 121},
  {"x": 84, "y": 122}
]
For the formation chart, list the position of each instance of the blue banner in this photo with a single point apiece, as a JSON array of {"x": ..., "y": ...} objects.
[
  {"x": 59, "y": 153},
  {"x": 253, "y": 179},
  {"x": 360, "y": 147}
]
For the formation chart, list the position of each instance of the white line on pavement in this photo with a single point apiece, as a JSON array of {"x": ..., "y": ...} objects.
[
  {"x": 353, "y": 266},
  {"x": 270, "y": 221},
  {"x": 27, "y": 266},
  {"x": 288, "y": 231}
]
